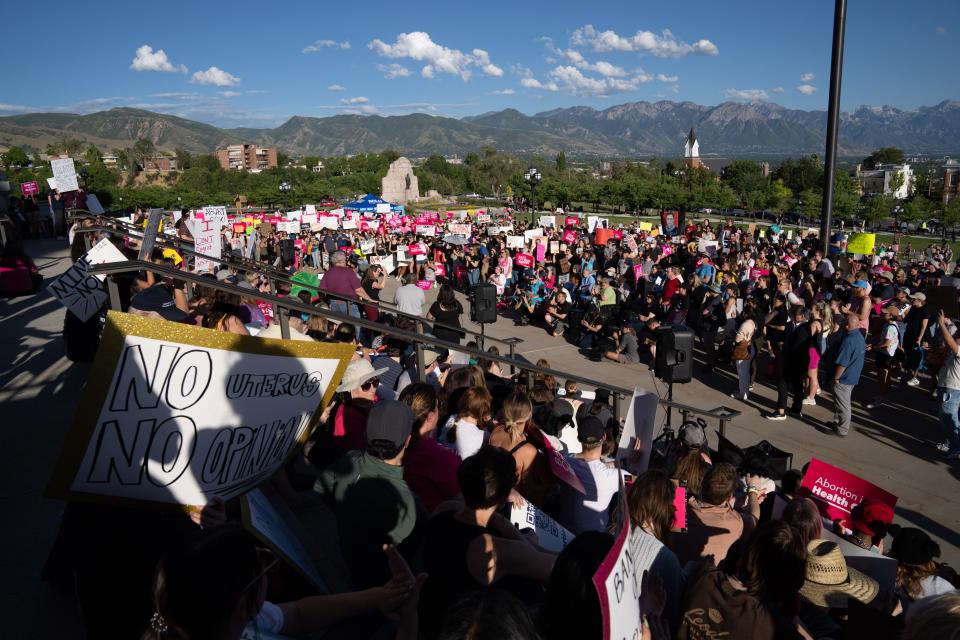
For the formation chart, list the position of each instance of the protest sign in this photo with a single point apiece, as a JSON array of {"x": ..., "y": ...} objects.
[
  {"x": 93, "y": 204},
  {"x": 546, "y": 221},
  {"x": 523, "y": 260},
  {"x": 206, "y": 241},
  {"x": 459, "y": 229},
  {"x": 638, "y": 432},
  {"x": 483, "y": 217},
  {"x": 561, "y": 468},
  {"x": 383, "y": 207},
  {"x": 81, "y": 293},
  {"x": 65, "y": 174},
  {"x": 645, "y": 226},
  {"x": 708, "y": 247},
  {"x": 367, "y": 247},
  {"x": 942, "y": 298},
  {"x": 29, "y": 188},
  {"x": 571, "y": 221},
  {"x": 554, "y": 246},
  {"x": 216, "y": 215},
  {"x": 862, "y": 243},
  {"x": 263, "y": 520},
  {"x": 428, "y": 230},
  {"x": 424, "y": 284},
  {"x": 103, "y": 252},
  {"x": 329, "y": 222},
  {"x": 153, "y": 225},
  {"x": 174, "y": 414},
  {"x": 387, "y": 263},
  {"x": 551, "y": 535},
  {"x": 569, "y": 236},
  {"x": 837, "y": 492},
  {"x": 530, "y": 234},
  {"x": 349, "y": 223},
  {"x": 515, "y": 242}
]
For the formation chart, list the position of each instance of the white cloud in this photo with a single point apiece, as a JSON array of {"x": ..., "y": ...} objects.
[
  {"x": 745, "y": 94},
  {"x": 520, "y": 70},
  {"x": 336, "y": 87},
  {"x": 533, "y": 83},
  {"x": 319, "y": 45},
  {"x": 807, "y": 77},
  {"x": 393, "y": 70},
  {"x": 418, "y": 45},
  {"x": 15, "y": 108},
  {"x": 777, "y": 90},
  {"x": 665, "y": 78},
  {"x": 230, "y": 94},
  {"x": 215, "y": 76},
  {"x": 146, "y": 59},
  {"x": 357, "y": 100},
  {"x": 664, "y": 45},
  {"x": 573, "y": 81},
  {"x": 504, "y": 92},
  {"x": 182, "y": 95},
  {"x": 806, "y": 89},
  {"x": 576, "y": 58}
]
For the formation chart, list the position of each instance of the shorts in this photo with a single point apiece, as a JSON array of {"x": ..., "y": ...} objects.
[
  {"x": 625, "y": 359},
  {"x": 814, "y": 359},
  {"x": 883, "y": 360}
]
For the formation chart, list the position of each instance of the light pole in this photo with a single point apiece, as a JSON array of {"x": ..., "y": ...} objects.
[
  {"x": 285, "y": 188},
  {"x": 533, "y": 177}
]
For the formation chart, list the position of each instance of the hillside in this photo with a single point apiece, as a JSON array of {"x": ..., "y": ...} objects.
[{"x": 627, "y": 130}]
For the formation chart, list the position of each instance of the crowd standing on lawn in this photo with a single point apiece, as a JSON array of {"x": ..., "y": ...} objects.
[{"x": 420, "y": 477}]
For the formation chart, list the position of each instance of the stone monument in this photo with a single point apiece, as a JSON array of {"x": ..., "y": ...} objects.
[{"x": 400, "y": 184}]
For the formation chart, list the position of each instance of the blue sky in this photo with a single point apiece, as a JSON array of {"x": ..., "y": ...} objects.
[{"x": 257, "y": 64}]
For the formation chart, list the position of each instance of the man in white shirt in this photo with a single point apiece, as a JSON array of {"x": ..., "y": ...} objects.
[
  {"x": 588, "y": 511},
  {"x": 410, "y": 298}
]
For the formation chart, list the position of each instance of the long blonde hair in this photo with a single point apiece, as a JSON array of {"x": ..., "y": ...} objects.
[{"x": 517, "y": 412}]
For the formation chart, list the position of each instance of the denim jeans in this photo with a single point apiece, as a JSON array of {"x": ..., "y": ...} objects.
[
  {"x": 743, "y": 372},
  {"x": 315, "y": 254},
  {"x": 473, "y": 276},
  {"x": 949, "y": 404},
  {"x": 346, "y": 308}
]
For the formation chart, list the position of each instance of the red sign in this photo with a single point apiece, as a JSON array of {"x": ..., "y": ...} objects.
[
  {"x": 439, "y": 269},
  {"x": 416, "y": 250},
  {"x": 239, "y": 227},
  {"x": 837, "y": 492},
  {"x": 424, "y": 284},
  {"x": 29, "y": 188},
  {"x": 569, "y": 236},
  {"x": 571, "y": 221},
  {"x": 680, "y": 509},
  {"x": 561, "y": 468},
  {"x": 756, "y": 273},
  {"x": 523, "y": 260},
  {"x": 618, "y": 234}
]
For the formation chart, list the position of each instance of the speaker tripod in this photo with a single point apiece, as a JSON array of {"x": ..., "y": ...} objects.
[{"x": 668, "y": 435}]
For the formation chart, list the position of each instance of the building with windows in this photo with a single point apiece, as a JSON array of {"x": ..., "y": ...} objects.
[
  {"x": 247, "y": 157},
  {"x": 878, "y": 181},
  {"x": 951, "y": 181},
  {"x": 691, "y": 151},
  {"x": 160, "y": 164}
]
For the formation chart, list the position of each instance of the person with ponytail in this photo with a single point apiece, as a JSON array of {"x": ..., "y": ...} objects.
[
  {"x": 215, "y": 588},
  {"x": 510, "y": 434}
]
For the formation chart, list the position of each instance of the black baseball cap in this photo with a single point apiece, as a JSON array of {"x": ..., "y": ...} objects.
[
  {"x": 158, "y": 300},
  {"x": 590, "y": 429}
]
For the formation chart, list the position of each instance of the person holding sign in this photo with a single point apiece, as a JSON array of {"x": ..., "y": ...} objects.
[{"x": 948, "y": 392}]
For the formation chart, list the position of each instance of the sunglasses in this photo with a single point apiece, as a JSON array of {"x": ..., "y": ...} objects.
[
  {"x": 372, "y": 382},
  {"x": 268, "y": 561}
]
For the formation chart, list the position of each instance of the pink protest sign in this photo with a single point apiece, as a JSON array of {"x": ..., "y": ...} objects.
[
  {"x": 667, "y": 250},
  {"x": 424, "y": 284},
  {"x": 618, "y": 234},
  {"x": 637, "y": 272},
  {"x": 756, "y": 273},
  {"x": 680, "y": 508},
  {"x": 523, "y": 260},
  {"x": 239, "y": 227},
  {"x": 569, "y": 236},
  {"x": 561, "y": 468},
  {"x": 571, "y": 221},
  {"x": 416, "y": 249},
  {"x": 440, "y": 270},
  {"x": 29, "y": 188},
  {"x": 837, "y": 492}
]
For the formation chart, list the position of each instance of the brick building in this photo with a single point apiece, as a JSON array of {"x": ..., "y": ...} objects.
[{"x": 247, "y": 157}]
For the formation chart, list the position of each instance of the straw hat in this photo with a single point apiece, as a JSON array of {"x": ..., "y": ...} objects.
[
  {"x": 829, "y": 582},
  {"x": 358, "y": 372}
]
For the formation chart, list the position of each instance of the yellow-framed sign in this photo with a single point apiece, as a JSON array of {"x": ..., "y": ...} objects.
[{"x": 175, "y": 415}]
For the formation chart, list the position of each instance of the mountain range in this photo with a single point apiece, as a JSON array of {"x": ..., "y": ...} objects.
[{"x": 635, "y": 129}]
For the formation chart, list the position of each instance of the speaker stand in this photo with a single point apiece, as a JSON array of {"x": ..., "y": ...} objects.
[
  {"x": 668, "y": 435},
  {"x": 483, "y": 327}
]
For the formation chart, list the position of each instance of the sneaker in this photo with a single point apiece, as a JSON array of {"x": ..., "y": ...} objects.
[
  {"x": 810, "y": 401},
  {"x": 876, "y": 403},
  {"x": 750, "y": 388},
  {"x": 776, "y": 416},
  {"x": 737, "y": 396},
  {"x": 943, "y": 447},
  {"x": 830, "y": 429},
  {"x": 913, "y": 382}
]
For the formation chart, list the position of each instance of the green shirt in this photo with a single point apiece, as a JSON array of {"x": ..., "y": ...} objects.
[{"x": 607, "y": 296}]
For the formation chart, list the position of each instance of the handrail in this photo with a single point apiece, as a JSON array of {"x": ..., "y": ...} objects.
[
  {"x": 419, "y": 339},
  {"x": 273, "y": 274}
]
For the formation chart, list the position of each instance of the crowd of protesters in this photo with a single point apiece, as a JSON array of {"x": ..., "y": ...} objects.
[{"x": 411, "y": 475}]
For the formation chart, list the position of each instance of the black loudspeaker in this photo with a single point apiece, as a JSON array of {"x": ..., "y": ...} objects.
[
  {"x": 286, "y": 252},
  {"x": 674, "y": 361},
  {"x": 483, "y": 309}
]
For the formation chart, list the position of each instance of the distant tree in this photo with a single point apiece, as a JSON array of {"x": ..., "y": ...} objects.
[
  {"x": 810, "y": 202},
  {"x": 92, "y": 155},
  {"x": 143, "y": 148},
  {"x": 15, "y": 157},
  {"x": 779, "y": 197},
  {"x": 282, "y": 159},
  {"x": 917, "y": 209},
  {"x": 471, "y": 160},
  {"x": 561, "y": 162},
  {"x": 896, "y": 181},
  {"x": 184, "y": 159},
  {"x": 877, "y": 209},
  {"x": 886, "y": 155},
  {"x": 800, "y": 175},
  {"x": 950, "y": 216}
]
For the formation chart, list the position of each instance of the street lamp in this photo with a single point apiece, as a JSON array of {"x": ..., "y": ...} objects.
[
  {"x": 285, "y": 188},
  {"x": 533, "y": 177}
]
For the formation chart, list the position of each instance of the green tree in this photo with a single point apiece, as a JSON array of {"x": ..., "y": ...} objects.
[
  {"x": 15, "y": 157},
  {"x": 561, "y": 163},
  {"x": 877, "y": 209},
  {"x": 184, "y": 159},
  {"x": 896, "y": 181},
  {"x": 811, "y": 201},
  {"x": 917, "y": 209},
  {"x": 779, "y": 197},
  {"x": 92, "y": 155},
  {"x": 950, "y": 216},
  {"x": 143, "y": 149},
  {"x": 886, "y": 155}
]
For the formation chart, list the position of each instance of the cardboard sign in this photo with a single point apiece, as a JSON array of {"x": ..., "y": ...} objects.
[
  {"x": 206, "y": 241},
  {"x": 862, "y": 243},
  {"x": 546, "y": 221},
  {"x": 173, "y": 414},
  {"x": 388, "y": 264},
  {"x": 523, "y": 260},
  {"x": 262, "y": 519},
  {"x": 515, "y": 242},
  {"x": 561, "y": 468},
  {"x": 367, "y": 247},
  {"x": 638, "y": 431},
  {"x": 29, "y": 188},
  {"x": 530, "y": 234},
  {"x": 837, "y": 492},
  {"x": 570, "y": 236},
  {"x": 708, "y": 247},
  {"x": 942, "y": 297},
  {"x": 551, "y": 535},
  {"x": 81, "y": 293},
  {"x": 65, "y": 174},
  {"x": 216, "y": 215},
  {"x": 428, "y": 230}
]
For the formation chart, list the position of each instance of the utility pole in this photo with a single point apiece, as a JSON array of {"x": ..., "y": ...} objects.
[{"x": 833, "y": 121}]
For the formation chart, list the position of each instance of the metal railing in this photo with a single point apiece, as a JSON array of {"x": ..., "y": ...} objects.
[
  {"x": 274, "y": 276},
  {"x": 420, "y": 340}
]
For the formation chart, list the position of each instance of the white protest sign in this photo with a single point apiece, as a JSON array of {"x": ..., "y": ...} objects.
[
  {"x": 383, "y": 207},
  {"x": 483, "y": 217},
  {"x": 65, "y": 174},
  {"x": 206, "y": 241},
  {"x": 103, "y": 252},
  {"x": 638, "y": 428},
  {"x": 310, "y": 209},
  {"x": 349, "y": 223},
  {"x": 294, "y": 215},
  {"x": 592, "y": 223},
  {"x": 93, "y": 204},
  {"x": 329, "y": 222},
  {"x": 550, "y": 534},
  {"x": 367, "y": 247},
  {"x": 266, "y": 523},
  {"x": 81, "y": 293},
  {"x": 52, "y": 183},
  {"x": 459, "y": 229},
  {"x": 515, "y": 242},
  {"x": 428, "y": 230},
  {"x": 530, "y": 234},
  {"x": 708, "y": 247},
  {"x": 387, "y": 264},
  {"x": 546, "y": 221},
  {"x": 215, "y": 215},
  {"x": 173, "y": 414},
  {"x": 336, "y": 212}
]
